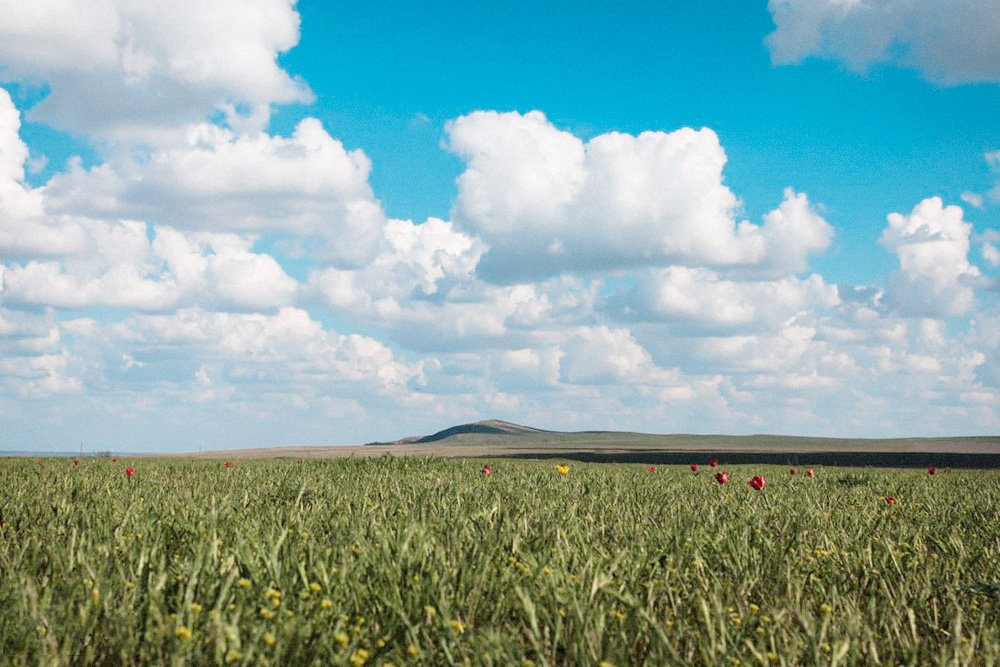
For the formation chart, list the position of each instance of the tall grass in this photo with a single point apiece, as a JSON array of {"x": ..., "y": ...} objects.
[{"x": 427, "y": 562}]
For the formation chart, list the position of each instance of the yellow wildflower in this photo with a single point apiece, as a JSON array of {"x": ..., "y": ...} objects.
[
  {"x": 233, "y": 656},
  {"x": 243, "y": 582},
  {"x": 266, "y": 613},
  {"x": 269, "y": 638},
  {"x": 342, "y": 638},
  {"x": 314, "y": 587},
  {"x": 196, "y": 608},
  {"x": 457, "y": 625},
  {"x": 326, "y": 603},
  {"x": 182, "y": 633},
  {"x": 412, "y": 650}
]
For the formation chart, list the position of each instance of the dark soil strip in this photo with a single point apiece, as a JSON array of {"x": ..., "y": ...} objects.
[{"x": 799, "y": 459}]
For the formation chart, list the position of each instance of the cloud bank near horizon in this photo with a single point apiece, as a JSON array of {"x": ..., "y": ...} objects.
[{"x": 207, "y": 279}]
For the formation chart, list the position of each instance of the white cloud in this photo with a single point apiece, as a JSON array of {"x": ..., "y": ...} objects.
[
  {"x": 993, "y": 159},
  {"x": 118, "y": 266},
  {"x": 212, "y": 178},
  {"x": 416, "y": 261},
  {"x": 972, "y": 199},
  {"x": 948, "y": 42},
  {"x": 57, "y": 256},
  {"x": 34, "y": 362},
  {"x": 935, "y": 278},
  {"x": 701, "y": 299},
  {"x": 119, "y": 67},
  {"x": 599, "y": 355},
  {"x": 545, "y": 202},
  {"x": 288, "y": 346},
  {"x": 23, "y": 228},
  {"x": 984, "y": 335},
  {"x": 990, "y": 252}
]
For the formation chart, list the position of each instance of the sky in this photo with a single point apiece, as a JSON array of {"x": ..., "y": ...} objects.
[{"x": 248, "y": 223}]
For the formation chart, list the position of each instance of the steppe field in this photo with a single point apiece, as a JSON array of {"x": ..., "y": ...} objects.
[{"x": 428, "y": 561}]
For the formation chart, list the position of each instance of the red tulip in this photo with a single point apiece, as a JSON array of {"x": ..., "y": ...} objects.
[
  {"x": 41, "y": 463},
  {"x": 652, "y": 468},
  {"x": 889, "y": 500},
  {"x": 794, "y": 471},
  {"x": 722, "y": 477},
  {"x": 694, "y": 467},
  {"x": 932, "y": 471},
  {"x": 76, "y": 462},
  {"x": 712, "y": 462},
  {"x": 129, "y": 472},
  {"x": 810, "y": 473},
  {"x": 114, "y": 459},
  {"x": 757, "y": 482},
  {"x": 229, "y": 464},
  {"x": 487, "y": 470}
]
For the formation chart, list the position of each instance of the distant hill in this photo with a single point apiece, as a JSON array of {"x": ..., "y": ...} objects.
[{"x": 488, "y": 426}]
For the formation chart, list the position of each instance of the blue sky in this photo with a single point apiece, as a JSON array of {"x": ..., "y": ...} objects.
[{"x": 245, "y": 225}]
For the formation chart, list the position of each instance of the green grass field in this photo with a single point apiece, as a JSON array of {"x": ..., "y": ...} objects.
[{"x": 428, "y": 562}]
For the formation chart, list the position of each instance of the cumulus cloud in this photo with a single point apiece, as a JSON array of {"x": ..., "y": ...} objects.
[
  {"x": 600, "y": 355},
  {"x": 117, "y": 67},
  {"x": 948, "y": 42},
  {"x": 417, "y": 261},
  {"x": 212, "y": 178},
  {"x": 34, "y": 362},
  {"x": 699, "y": 299},
  {"x": 546, "y": 202},
  {"x": 119, "y": 266},
  {"x": 24, "y": 230},
  {"x": 285, "y": 346},
  {"x": 935, "y": 278}
]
